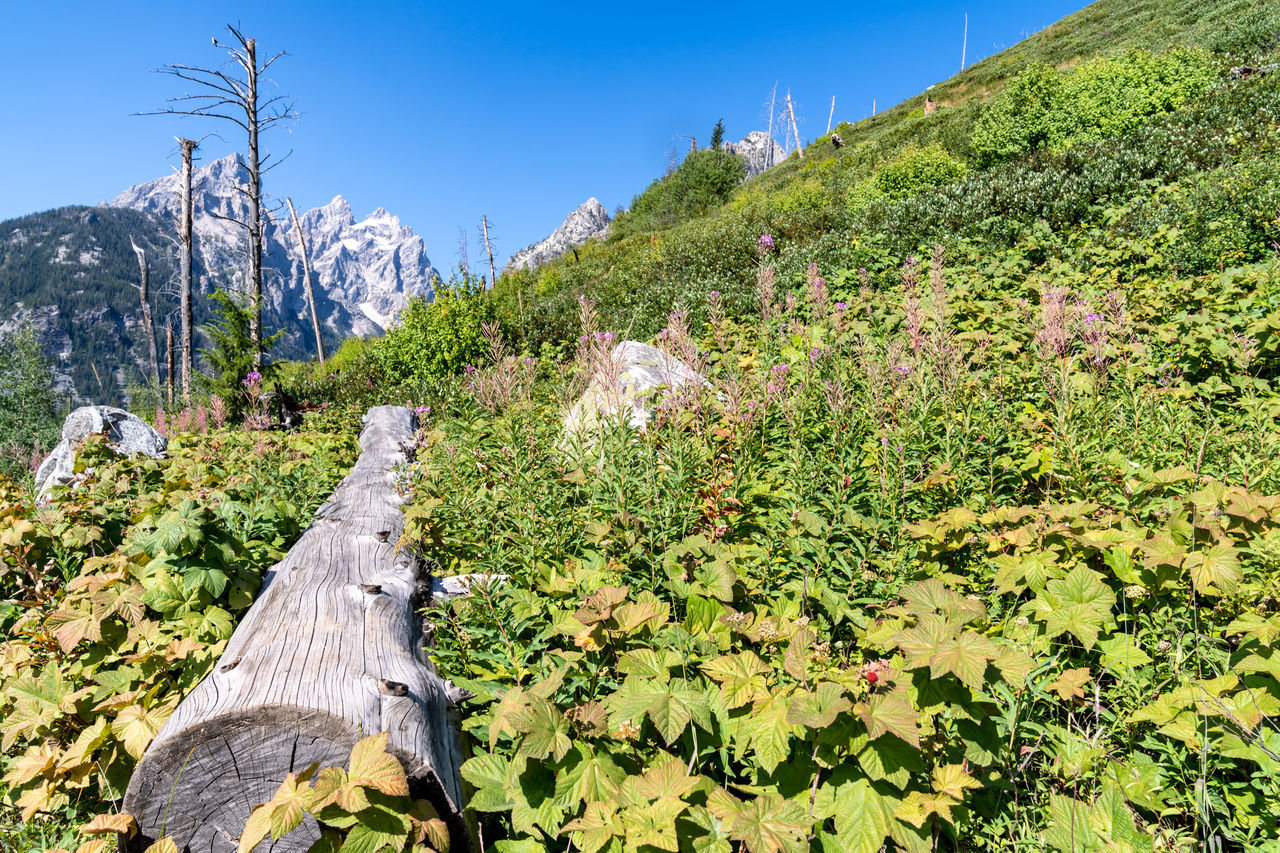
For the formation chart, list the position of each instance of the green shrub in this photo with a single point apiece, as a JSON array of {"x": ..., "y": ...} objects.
[
  {"x": 1045, "y": 109},
  {"x": 29, "y": 406},
  {"x": 917, "y": 169},
  {"x": 438, "y": 337},
  {"x": 704, "y": 180}
]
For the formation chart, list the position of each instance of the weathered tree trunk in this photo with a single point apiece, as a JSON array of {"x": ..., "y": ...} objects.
[
  {"x": 791, "y": 111},
  {"x": 186, "y": 320},
  {"x": 484, "y": 223},
  {"x": 255, "y": 203},
  {"x": 306, "y": 280},
  {"x": 168, "y": 368},
  {"x": 330, "y": 652},
  {"x": 144, "y": 293}
]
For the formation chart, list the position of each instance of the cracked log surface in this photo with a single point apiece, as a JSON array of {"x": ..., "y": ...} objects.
[{"x": 330, "y": 652}]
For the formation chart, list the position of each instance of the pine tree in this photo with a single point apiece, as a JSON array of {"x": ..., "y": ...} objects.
[{"x": 717, "y": 134}]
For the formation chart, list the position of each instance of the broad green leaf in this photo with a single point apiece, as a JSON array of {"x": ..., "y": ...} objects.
[
  {"x": 653, "y": 825},
  {"x": 545, "y": 729},
  {"x": 373, "y": 767},
  {"x": 890, "y": 713},
  {"x": 770, "y": 824},
  {"x": 964, "y": 656},
  {"x": 1079, "y": 604},
  {"x": 862, "y": 817},
  {"x": 72, "y": 626},
  {"x": 1215, "y": 570},
  {"x": 818, "y": 709},
  {"x": 598, "y": 825},
  {"x": 1120, "y": 652},
  {"x": 741, "y": 677}
]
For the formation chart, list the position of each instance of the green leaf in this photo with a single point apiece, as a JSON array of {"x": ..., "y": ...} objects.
[
  {"x": 1079, "y": 604},
  {"x": 1215, "y": 570},
  {"x": 890, "y": 713},
  {"x": 741, "y": 677},
  {"x": 818, "y": 709},
  {"x": 862, "y": 817},
  {"x": 545, "y": 729},
  {"x": 771, "y": 824},
  {"x": 1120, "y": 652},
  {"x": 965, "y": 656}
]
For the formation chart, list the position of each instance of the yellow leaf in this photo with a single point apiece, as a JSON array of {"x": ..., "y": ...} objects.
[
  {"x": 373, "y": 767},
  {"x": 255, "y": 828},
  {"x": 136, "y": 727},
  {"x": 1070, "y": 684},
  {"x": 952, "y": 780},
  {"x": 95, "y": 845},
  {"x": 33, "y": 763},
  {"x": 106, "y": 824},
  {"x": 164, "y": 845}
]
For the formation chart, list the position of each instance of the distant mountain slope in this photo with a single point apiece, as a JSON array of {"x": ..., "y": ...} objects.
[{"x": 70, "y": 271}]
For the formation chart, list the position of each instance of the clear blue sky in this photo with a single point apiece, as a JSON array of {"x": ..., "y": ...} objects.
[{"x": 441, "y": 113}]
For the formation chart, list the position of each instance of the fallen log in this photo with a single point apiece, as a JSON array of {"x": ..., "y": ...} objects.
[{"x": 330, "y": 652}]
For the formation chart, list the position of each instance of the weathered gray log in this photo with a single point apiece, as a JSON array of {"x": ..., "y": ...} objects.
[{"x": 330, "y": 652}]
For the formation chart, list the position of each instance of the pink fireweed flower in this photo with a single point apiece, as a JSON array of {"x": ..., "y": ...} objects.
[{"x": 765, "y": 242}]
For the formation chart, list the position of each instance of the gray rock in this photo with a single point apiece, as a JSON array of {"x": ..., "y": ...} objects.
[
  {"x": 761, "y": 151},
  {"x": 642, "y": 372},
  {"x": 589, "y": 220},
  {"x": 125, "y": 433},
  {"x": 446, "y": 589}
]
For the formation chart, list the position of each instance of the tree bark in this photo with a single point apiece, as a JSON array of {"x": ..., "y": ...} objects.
[
  {"x": 306, "y": 279},
  {"x": 329, "y": 653},
  {"x": 144, "y": 293},
  {"x": 186, "y": 321}
]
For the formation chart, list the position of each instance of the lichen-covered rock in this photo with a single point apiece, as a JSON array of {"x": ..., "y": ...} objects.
[
  {"x": 126, "y": 434},
  {"x": 638, "y": 374}
]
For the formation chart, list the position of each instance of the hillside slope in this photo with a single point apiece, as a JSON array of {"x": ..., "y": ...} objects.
[{"x": 827, "y": 207}]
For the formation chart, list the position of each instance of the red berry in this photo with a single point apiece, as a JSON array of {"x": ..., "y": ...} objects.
[{"x": 872, "y": 677}]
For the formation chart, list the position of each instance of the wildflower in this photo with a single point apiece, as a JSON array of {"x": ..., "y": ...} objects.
[
  {"x": 422, "y": 411},
  {"x": 815, "y": 354},
  {"x": 252, "y": 379},
  {"x": 628, "y": 730},
  {"x": 767, "y": 631},
  {"x": 765, "y": 242},
  {"x": 902, "y": 369},
  {"x": 1134, "y": 591},
  {"x": 1091, "y": 318}
]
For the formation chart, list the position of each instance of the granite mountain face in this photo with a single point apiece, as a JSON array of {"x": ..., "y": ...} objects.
[
  {"x": 365, "y": 271},
  {"x": 589, "y": 220},
  {"x": 70, "y": 271}
]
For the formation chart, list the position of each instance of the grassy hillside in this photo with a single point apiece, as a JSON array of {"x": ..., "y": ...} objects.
[{"x": 826, "y": 207}]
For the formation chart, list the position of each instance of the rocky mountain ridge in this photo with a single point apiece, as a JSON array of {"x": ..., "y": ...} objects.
[
  {"x": 364, "y": 271},
  {"x": 590, "y": 219}
]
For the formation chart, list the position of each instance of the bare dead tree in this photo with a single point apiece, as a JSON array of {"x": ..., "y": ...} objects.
[
  {"x": 488, "y": 247},
  {"x": 831, "y": 114},
  {"x": 791, "y": 111},
  {"x": 771, "y": 103},
  {"x": 185, "y": 317},
  {"x": 464, "y": 253},
  {"x": 144, "y": 295},
  {"x": 306, "y": 279},
  {"x": 233, "y": 95},
  {"x": 168, "y": 373}
]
